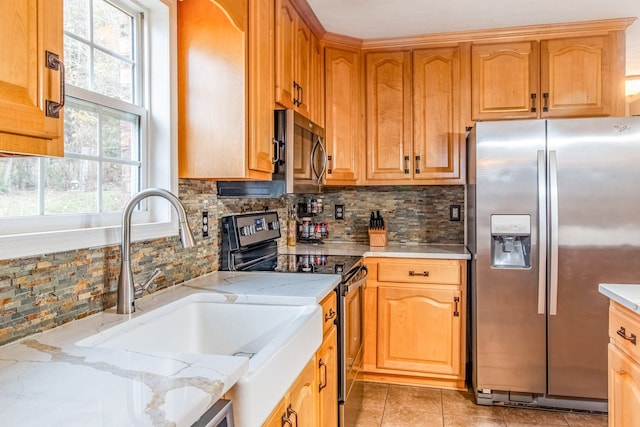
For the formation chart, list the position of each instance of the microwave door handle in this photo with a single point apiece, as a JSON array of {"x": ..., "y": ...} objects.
[{"x": 318, "y": 175}]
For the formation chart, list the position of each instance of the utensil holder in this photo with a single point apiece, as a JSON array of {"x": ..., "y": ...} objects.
[{"x": 378, "y": 237}]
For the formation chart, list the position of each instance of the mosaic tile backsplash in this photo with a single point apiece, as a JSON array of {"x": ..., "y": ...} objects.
[{"x": 42, "y": 292}]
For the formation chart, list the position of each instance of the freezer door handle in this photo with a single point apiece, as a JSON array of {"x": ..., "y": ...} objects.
[
  {"x": 542, "y": 233},
  {"x": 553, "y": 233}
]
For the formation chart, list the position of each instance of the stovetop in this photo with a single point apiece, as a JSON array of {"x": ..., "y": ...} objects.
[{"x": 327, "y": 264}]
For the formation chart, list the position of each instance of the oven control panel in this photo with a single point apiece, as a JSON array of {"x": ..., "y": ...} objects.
[{"x": 251, "y": 229}]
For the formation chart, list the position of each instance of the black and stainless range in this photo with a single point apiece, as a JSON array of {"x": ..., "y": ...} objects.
[{"x": 250, "y": 243}]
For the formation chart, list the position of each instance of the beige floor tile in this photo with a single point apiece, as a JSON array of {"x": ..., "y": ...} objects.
[
  {"x": 586, "y": 420},
  {"x": 464, "y": 420},
  {"x": 415, "y": 398},
  {"x": 375, "y": 395},
  {"x": 369, "y": 417},
  {"x": 395, "y": 416},
  {"x": 464, "y": 403},
  {"x": 520, "y": 417}
]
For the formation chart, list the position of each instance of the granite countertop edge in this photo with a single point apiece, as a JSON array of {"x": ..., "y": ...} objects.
[{"x": 627, "y": 295}]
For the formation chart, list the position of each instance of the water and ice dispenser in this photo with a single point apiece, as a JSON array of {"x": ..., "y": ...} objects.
[{"x": 510, "y": 241}]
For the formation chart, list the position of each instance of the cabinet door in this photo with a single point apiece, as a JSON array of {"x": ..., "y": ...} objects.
[
  {"x": 327, "y": 357},
  {"x": 343, "y": 120},
  {"x": 388, "y": 116},
  {"x": 316, "y": 83},
  {"x": 276, "y": 418},
  {"x": 504, "y": 80},
  {"x": 575, "y": 77},
  {"x": 28, "y": 30},
  {"x": 302, "y": 408},
  {"x": 286, "y": 18},
  {"x": 260, "y": 133},
  {"x": 302, "y": 67},
  {"x": 438, "y": 134},
  {"x": 419, "y": 330},
  {"x": 624, "y": 389}
]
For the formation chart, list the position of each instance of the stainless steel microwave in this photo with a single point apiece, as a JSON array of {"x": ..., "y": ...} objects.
[{"x": 300, "y": 160}]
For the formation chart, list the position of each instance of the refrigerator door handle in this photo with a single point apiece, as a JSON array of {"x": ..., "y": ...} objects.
[
  {"x": 553, "y": 233},
  {"x": 542, "y": 233}
]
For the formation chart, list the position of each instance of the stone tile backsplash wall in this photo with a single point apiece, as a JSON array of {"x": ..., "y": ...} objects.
[
  {"x": 42, "y": 292},
  {"x": 412, "y": 214}
]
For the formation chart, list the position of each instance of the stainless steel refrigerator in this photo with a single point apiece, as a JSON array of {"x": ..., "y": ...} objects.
[{"x": 553, "y": 209}]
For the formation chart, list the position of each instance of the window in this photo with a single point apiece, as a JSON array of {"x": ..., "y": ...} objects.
[{"x": 110, "y": 120}]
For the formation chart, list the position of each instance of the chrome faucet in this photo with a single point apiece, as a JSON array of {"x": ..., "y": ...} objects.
[{"x": 127, "y": 292}]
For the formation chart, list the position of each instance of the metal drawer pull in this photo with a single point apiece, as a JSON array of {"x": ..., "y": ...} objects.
[
  {"x": 286, "y": 420},
  {"x": 413, "y": 273},
  {"x": 323, "y": 365},
  {"x": 330, "y": 315},
  {"x": 623, "y": 333}
]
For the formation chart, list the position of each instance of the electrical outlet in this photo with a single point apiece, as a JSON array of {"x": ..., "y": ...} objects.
[
  {"x": 205, "y": 223},
  {"x": 454, "y": 212},
  {"x": 339, "y": 212}
]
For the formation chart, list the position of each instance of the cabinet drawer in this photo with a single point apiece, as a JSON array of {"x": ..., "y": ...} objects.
[
  {"x": 624, "y": 330},
  {"x": 329, "y": 312},
  {"x": 415, "y": 271}
]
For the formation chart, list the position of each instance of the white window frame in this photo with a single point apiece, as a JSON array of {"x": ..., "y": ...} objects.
[{"x": 160, "y": 98}]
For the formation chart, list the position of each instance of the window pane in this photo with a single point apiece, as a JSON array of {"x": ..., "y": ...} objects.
[
  {"x": 113, "y": 29},
  {"x": 119, "y": 133},
  {"x": 112, "y": 76},
  {"x": 18, "y": 186},
  {"x": 70, "y": 186},
  {"x": 80, "y": 128},
  {"x": 76, "y": 18},
  {"x": 120, "y": 182},
  {"x": 76, "y": 58}
]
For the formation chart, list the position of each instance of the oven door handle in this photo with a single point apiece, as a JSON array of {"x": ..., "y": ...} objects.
[
  {"x": 350, "y": 284},
  {"x": 351, "y": 273}
]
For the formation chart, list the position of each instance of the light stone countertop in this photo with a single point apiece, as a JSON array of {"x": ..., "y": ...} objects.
[
  {"x": 392, "y": 250},
  {"x": 45, "y": 379},
  {"x": 626, "y": 295}
]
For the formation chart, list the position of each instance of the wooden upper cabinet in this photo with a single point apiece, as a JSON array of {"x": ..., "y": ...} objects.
[
  {"x": 505, "y": 80},
  {"x": 225, "y": 101},
  {"x": 29, "y": 29},
  {"x": 296, "y": 50},
  {"x": 316, "y": 84},
  {"x": 343, "y": 115},
  {"x": 576, "y": 77},
  {"x": 388, "y": 115},
  {"x": 563, "y": 77},
  {"x": 438, "y": 129}
]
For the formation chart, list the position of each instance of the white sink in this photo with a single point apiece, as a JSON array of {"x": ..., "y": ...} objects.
[{"x": 279, "y": 339}]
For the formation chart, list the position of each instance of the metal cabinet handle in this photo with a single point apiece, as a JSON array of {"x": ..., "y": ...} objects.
[
  {"x": 323, "y": 366},
  {"x": 623, "y": 333},
  {"x": 533, "y": 102},
  {"x": 417, "y": 165},
  {"x": 456, "y": 312},
  {"x": 52, "y": 61},
  {"x": 545, "y": 98},
  {"x": 330, "y": 315},
  {"x": 406, "y": 164},
  {"x": 286, "y": 420},
  {"x": 296, "y": 89},
  {"x": 301, "y": 95},
  {"x": 329, "y": 168},
  {"x": 413, "y": 273},
  {"x": 290, "y": 412}
]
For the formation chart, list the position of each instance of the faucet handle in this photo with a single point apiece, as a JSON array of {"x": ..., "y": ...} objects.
[{"x": 139, "y": 289}]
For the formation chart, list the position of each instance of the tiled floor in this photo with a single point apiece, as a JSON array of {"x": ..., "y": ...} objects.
[{"x": 386, "y": 405}]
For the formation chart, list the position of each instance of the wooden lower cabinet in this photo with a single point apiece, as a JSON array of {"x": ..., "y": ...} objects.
[
  {"x": 298, "y": 408},
  {"x": 624, "y": 367},
  {"x": 415, "y": 322},
  {"x": 327, "y": 370},
  {"x": 312, "y": 399}
]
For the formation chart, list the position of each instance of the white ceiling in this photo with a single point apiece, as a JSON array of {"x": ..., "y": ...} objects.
[{"x": 366, "y": 19}]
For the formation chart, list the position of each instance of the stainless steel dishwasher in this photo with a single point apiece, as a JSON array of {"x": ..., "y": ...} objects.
[{"x": 220, "y": 414}]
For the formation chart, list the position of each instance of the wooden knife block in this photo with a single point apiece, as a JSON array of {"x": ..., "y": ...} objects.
[{"x": 378, "y": 237}]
